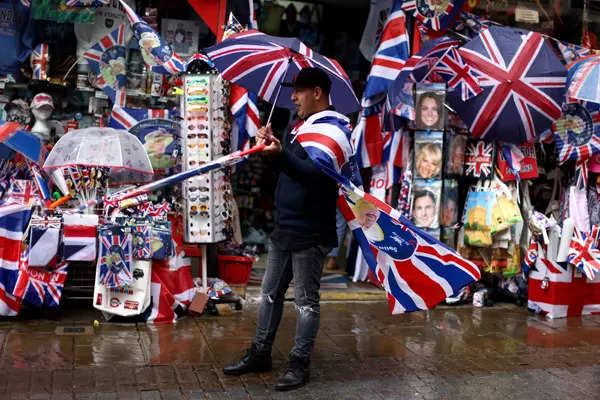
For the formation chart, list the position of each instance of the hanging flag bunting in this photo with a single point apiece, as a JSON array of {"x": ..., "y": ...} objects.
[
  {"x": 107, "y": 59},
  {"x": 391, "y": 55},
  {"x": 155, "y": 50}
]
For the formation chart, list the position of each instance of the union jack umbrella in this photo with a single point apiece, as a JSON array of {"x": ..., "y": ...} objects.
[
  {"x": 107, "y": 59},
  {"x": 434, "y": 15},
  {"x": 458, "y": 75},
  {"x": 40, "y": 61},
  {"x": 260, "y": 63},
  {"x": 155, "y": 50},
  {"x": 115, "y": 258},
  {"x": 583, "y": 79},
  {"x": 523, "y": 85},
  {"x": 584, "y": 253}
]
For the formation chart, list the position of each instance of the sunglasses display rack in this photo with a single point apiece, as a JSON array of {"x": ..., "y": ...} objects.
[{"x": 206, "y": 137}]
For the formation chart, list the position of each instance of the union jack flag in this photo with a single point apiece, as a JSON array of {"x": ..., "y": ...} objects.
[
  {"x": 40, "y": 59},
  {"x": 115, "y": 258},
  {"x": 23, "y": 191},
  {"x": 40, "y": 287},
  {"x": 430, "y": 14},
  {"x": 142, "y": 241},
  {"x": 394, "y": 145},
  {"x": 458, "y": 75},
  {"x": 584, "y": 253},
  {"x": 566, "y": 294},
  {"x": 367, "y": 136},
  {"x": 391, "y": 55},
  {"x": 233, "y": 26},
  {"x": 479, "y": 159},
  {"x": 107, "y": 58},
  {"x": 521, "y": 78},
  {"x": 575, "y": 133},
  {"x": 246, "y": 117},
  {"x": 416, "y": 270},
  {"x": 155, "y": 50},
  {"x": 571, "y": 52}
]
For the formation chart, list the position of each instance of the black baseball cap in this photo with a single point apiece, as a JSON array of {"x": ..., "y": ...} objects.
[{"x": 310, "y": 78}]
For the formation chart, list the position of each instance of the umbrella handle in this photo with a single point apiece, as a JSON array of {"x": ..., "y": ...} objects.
[{"x": 278, "y": 91}]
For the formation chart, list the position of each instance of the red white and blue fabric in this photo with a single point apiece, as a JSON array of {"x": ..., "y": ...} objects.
[
  {"x": 416, "y": 270},
  {"x": 577, "y": 132},
  {"x": 40, "y": 287},
  {"x": 13, "y": 221},
  {"x": 198, "y": 57},
  {"x": 405, "y": 196},
  {"x": 79, "y": 237},
  {"x": 430, "y": 15},
  {"x": 161, "y": 57},
  {"x": 41, "y": 183},
  {"x": 479, "y": 159},
  {"x": 115, "y": 258},
  {"x": 523, "y": 85},
  {"x": 566, "y": 295},
  {"x": 417, "y": 67},
  {"x": 260, "y": 63},
  {"x": 246, "y": 117},
  {"x": 142, "y": 241},
  {"x": 22, "y": 191},
  {"x": 40, "y": 61},
  {"x": 172, "y": 289},
  {"x": 394, "y": 144},
  {"x": 367, "y": 138},
  {"x": 22, "y": 141},
  {"x": 86, "y": 3},
  {"x": 583, "y": 79},
  {"x": 584, "y": 253},
  {"x": 43, "y": 242},
  {"x": 531, "y": 255},
  {"x": 391, "y": 55},
  {"x": 571, "y": 52},
  {"x": 458, "y": 75},
  {"x": 109, "y": 52}
]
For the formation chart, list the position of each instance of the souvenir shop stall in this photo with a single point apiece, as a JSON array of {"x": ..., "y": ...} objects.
[
  {"x": 117, "y": 173},
  {"x": 491, "y": 137}
]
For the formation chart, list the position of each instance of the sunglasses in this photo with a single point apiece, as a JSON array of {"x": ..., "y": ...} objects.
[
  {"x": 199, "y": 145},
  {"x": 197, "y": 81},
  {"x": 198, "y": 109},
  {"x": 200, "y": 198},
  {"x": 197, "y": 127},
  {"x": 200, "y": 188},
  {"x": 197, "y": 135},
  {"x": 198, "y": 100},
  {"x": 203, "y": 214},
  {"x": 198, "y": 117},
  {"x": 197, "y": 91},
  {"x": 193, "y": 163}
]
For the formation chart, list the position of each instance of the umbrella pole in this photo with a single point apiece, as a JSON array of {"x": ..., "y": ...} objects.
[{"x": 278, "y": 91}]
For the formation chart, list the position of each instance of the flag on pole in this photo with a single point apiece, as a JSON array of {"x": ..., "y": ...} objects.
[{"x": 391, "y": 55}]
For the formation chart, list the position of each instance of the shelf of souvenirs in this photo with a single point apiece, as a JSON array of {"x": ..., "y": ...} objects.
[{"x": 98, "y": 93}]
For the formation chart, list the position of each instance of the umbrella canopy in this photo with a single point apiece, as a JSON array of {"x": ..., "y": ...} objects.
[
  {"x": 21, "y": 141},
  {"x": 523, "y": 85},
  {"x": 117, "y": 150},
  {"x": 260, "y": 63},
  {"x": 583, "y": 79}
]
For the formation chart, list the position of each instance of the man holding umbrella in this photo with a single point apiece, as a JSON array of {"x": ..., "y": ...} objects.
[{"x": 305, "y": 232}]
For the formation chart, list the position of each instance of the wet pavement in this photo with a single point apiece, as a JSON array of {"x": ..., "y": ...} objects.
[{"x": 362, "y": 352}]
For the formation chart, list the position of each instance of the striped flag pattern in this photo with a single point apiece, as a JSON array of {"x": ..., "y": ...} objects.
[
  {"x": 416, "y": 270},
  {"x": 79, "y": 237},
  {"x": 391, "y": 55}
]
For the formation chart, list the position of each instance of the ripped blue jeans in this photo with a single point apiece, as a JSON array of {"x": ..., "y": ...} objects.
[{"x": 305, "y": 267}]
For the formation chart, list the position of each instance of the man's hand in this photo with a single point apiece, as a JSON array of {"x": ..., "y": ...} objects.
[
  {"x": 265, "y": 134},
  {"x": 273, "y": 147}
]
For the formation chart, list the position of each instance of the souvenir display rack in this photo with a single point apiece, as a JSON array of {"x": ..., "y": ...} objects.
[{"x": 206, "y": 137}]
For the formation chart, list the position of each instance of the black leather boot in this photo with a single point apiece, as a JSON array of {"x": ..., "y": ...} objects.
[
  {"x": 295, "y": 375},
  {"x": 255, "y": 360}
]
